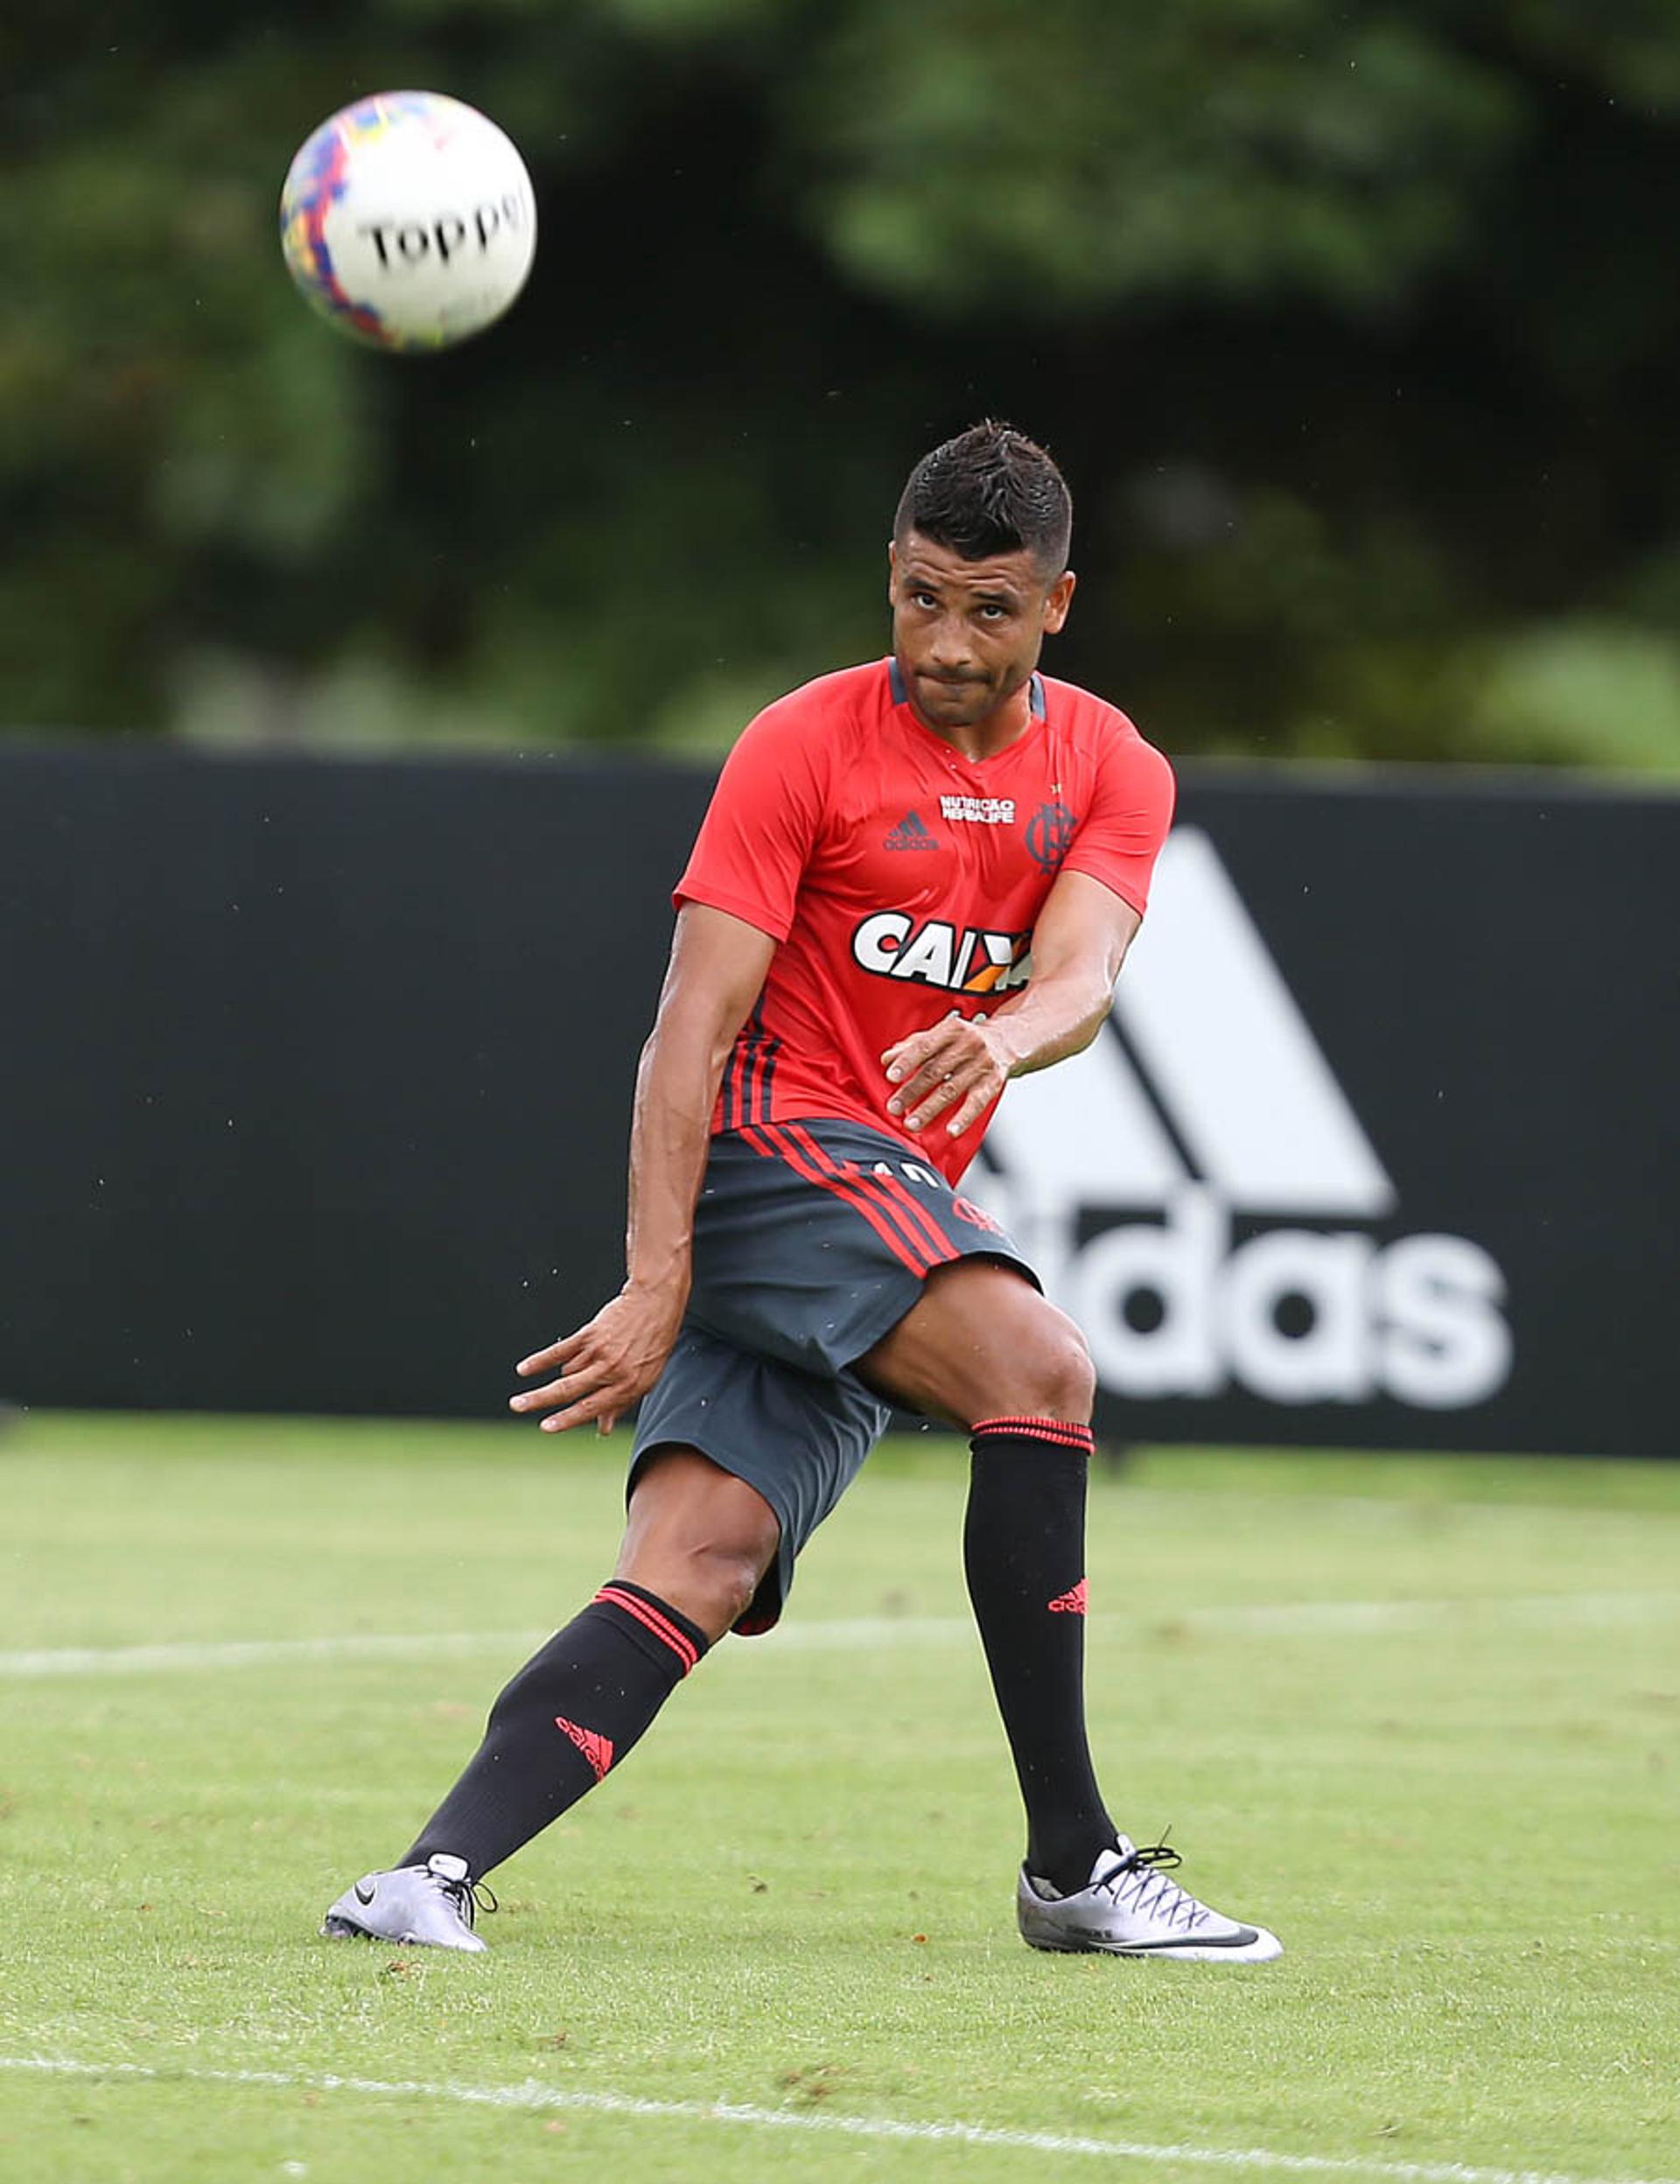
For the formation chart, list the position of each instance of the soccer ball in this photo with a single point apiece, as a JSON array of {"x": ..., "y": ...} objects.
[{"x": 408, "y": 221}]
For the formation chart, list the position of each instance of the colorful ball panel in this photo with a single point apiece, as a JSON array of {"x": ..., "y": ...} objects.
[{"x": 408, "y": 221}]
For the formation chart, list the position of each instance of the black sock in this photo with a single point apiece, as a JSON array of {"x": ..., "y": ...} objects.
[
  {"x": 1024, "y": 1555},
  {"x": 572, "y": 1712}
]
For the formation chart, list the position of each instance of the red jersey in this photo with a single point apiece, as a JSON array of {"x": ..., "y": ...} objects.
[{"x": 903, "y": 879}]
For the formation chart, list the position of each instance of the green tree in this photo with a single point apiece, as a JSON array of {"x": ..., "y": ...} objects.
[{"x": 1355, "y": 330}]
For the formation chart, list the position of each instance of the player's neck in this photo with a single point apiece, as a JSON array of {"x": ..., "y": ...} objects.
[{"x": 981, "y": 740}]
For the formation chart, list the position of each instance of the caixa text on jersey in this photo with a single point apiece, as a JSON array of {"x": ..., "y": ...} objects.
[{"x": 890, "y": 944}]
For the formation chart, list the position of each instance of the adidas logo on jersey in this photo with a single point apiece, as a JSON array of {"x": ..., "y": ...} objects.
[
  {"x": 1207, "y": 1101},
  {"x": 910, "y": 834}
]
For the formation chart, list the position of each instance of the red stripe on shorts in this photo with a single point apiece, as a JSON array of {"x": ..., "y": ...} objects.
[
  {"x": 911, "y": 1222},
  {"x": 896, "y": 1185},
  {"x": 650, "y": 1618},
  {"x": 921, "y": 1231},
  {"x": 780, "y": 1145}
]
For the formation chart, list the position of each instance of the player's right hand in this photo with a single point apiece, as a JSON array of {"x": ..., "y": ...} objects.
[{"x": 606, "y": 1366}]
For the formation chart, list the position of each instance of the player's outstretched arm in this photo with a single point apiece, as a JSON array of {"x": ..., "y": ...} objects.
[
  {"x": 952, "y": 1072},
  {"x": 718, "y": 969}
]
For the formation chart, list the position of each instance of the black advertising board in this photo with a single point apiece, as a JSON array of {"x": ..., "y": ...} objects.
[
  {"x": 1378, "y": 1145},
  {"x": 314, "y": 1085}
]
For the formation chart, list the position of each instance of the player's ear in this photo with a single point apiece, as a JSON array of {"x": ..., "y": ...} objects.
[{"x": 1057, "y": 600}]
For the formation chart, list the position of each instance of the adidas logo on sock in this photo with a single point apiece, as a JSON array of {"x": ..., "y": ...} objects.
[
  {"x": 596, "y": 1749},
  {"x": 1071, "y": 1602},
  {"x": 910, "y": 834}
]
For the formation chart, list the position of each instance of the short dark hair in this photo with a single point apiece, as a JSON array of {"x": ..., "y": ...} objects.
[{"x": 990, "y": 491}]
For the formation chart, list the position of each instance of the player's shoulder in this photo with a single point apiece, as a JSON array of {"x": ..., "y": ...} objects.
[
  {"x": 1100, "y": 729},
  {"x": 799, "y": 747}
]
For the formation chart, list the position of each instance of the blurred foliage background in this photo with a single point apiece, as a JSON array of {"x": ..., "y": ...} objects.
[{"x": 1356, "y": 329}]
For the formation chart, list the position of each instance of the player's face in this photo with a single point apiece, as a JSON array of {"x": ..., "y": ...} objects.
[{"x": 967, "y": 633}]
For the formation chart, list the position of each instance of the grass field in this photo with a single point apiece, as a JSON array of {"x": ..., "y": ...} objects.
[{"x": 1419, "y": 1717}]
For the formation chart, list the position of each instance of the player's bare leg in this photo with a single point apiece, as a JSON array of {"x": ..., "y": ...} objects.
[
  {"x": 698, "y": 1537},
  {"x": 983, "y": 1349},
  {"x": 981, "y": 1342}
]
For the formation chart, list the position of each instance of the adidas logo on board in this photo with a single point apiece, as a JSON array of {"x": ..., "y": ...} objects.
[{"x": 1208, "y": 1103}]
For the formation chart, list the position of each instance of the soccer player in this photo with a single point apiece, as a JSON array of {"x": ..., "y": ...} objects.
[{"x": 916, "y": 879}]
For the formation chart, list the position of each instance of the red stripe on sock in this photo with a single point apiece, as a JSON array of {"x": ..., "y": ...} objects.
[
  {"x": 1062, "y": 1431},
  {"x": 650, "y": 1619},
  {"x": 782, "y": 1145}
]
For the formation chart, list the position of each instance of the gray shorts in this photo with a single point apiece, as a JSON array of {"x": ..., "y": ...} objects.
[{"x": 811, "y": 1240}]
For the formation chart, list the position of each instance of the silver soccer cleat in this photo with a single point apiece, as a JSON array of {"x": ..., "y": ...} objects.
[
  {"x": 1130, "y": 1907},
  {"x": 431, "y": 1905}
]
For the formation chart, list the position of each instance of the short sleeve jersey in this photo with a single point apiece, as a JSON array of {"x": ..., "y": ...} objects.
[{"x": 902, "y": 879}]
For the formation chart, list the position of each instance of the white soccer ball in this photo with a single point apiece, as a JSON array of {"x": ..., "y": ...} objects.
[{"x": 408, "y": 221}]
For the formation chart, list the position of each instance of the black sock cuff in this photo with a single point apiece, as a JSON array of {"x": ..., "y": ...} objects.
[
  {"x": 650, "y": 1618},
  {"x": 1037, "y": 1434}
]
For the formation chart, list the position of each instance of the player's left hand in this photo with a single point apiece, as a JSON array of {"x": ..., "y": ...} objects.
[{"x": 953, "y": 1071}]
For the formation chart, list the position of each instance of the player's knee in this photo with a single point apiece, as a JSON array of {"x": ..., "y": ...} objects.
[
  {"x": 1057, "y": 1379},
  {"x": 705, "y": 1557},
  {"x": 721, "y": 1576}
]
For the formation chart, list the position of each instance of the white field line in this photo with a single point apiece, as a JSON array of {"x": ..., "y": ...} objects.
[
  {"x": 259, "y": 1653},
  {"x": 1283, "y": 1619},
  {"x": 1345, "y": 1617},
  {"x": 1288, "y": 1619},
  {"x": 532, "y": 2096}
]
